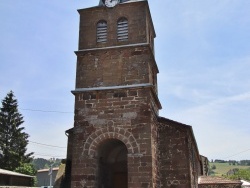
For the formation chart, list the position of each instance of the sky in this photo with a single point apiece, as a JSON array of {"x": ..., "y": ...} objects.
[{"x": 202, "y": 50}]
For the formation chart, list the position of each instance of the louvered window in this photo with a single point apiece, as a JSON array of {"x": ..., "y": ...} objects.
[
  {"x": 101, "y": 31},
  {"x": 122, "y": 29}
]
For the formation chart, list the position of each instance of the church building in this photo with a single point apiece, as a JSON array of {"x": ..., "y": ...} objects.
[{"x": 118, "y": 139}]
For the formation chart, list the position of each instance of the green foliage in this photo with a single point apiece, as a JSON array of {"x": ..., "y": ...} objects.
[
  {"x": 219, "y": 161},
  {"x": 213, "y": 167},
  {"x": 241, "y": 174},
  {"x": 13, "y": 139},
  {"x": 223, "y": 168},
  {"x": 233, "y": 162},
  {"x": 41, "y": 163},
  {"x": 28, "y": 169},
  {"x": 245, "y": 162},
  {"x": 211, "y": 172}
]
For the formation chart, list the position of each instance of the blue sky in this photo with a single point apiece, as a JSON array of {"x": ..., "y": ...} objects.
[{"x": 202, "y": 51}]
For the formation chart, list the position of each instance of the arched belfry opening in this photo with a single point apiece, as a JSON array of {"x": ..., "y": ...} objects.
[{"x": 112, "y": 164}]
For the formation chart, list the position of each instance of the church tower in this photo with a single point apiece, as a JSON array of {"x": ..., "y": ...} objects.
[{"x": 116, "y": 136}]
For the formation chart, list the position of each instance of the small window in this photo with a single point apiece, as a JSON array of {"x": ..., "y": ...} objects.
[
  {"x": 122, "y": 29},
  {"x": 101, "y": 31}
]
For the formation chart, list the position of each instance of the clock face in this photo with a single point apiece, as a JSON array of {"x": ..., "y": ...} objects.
[{"x": 111, "y": 3}]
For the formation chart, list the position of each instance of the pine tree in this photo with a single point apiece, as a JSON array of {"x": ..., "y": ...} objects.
[{"x": 13, "y": 139}]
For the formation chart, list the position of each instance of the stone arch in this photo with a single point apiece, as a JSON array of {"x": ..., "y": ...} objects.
[{"x": 101, "y": 135}]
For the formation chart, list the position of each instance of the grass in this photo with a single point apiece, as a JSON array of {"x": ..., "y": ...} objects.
[{"x": 223, "y": 168}]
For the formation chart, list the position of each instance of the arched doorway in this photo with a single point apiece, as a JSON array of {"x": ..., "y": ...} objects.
[{"x": 112, "y": 163}]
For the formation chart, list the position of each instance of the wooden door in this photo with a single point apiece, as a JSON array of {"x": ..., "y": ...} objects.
[{"x": 120, "y": 180}]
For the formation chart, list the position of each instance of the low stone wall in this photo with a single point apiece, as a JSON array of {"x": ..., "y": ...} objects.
[
  {"x": 218, "y": 182},
  {"x": 220, "y": 186}
]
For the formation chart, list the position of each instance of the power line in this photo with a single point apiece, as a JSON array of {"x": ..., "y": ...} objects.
[
  {"x": 33, "y": 147},
  {"x": 42, "y": 144},
  {"x": 237, "y": 153},
  {"x": 47, "y": 155},
  {"x": 33, "y": 142},
  {"x": 45, "y": 111},
  {"x": 47, "y": 145}
]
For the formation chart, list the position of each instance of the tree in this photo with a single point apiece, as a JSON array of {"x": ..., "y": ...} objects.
[
  {"x": 28, "y": 169},
  {"x": 213, "y": 167},
  {"x": 41, "y": 163},
  {"x": 13, "y": 139},
  {"x": 241, "y": 174}
]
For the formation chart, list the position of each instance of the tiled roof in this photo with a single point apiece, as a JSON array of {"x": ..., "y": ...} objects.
[
  {"x": 216, "y": 180},
  {"x": 10, "y": 173}
]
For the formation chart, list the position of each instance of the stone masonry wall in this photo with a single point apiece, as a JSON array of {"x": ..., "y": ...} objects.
[
  {"x": 155, "y": 162},
  {"x": 194, "y": 162},
  {"x": 68, "y": 163},
  {"x": 128, "y": 114},
  {"x": 135, "y": 13},
  {"x": 123, "y": 66},
  {"x": 124, "y": 115},
  {"x": 173, "y": 155},
  {"x": 220, "y": 186}
]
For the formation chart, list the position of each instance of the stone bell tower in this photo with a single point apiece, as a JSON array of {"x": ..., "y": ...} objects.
[{"x": 114, "y": 141}]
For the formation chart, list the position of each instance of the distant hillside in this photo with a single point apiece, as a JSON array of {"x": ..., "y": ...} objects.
[
  {"x": 41, "y": 163},
  {"x": 219, "y": 169}
]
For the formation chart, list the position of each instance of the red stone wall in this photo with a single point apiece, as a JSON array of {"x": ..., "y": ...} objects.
[
  {"x": 124, "y": 115},
  {"x": 115, "y": 67},
  {"x": 174, "y": 162},
  {"x": 220, "y": 186},
  {"x": 66, "y": 180},
  {"x": 136, "y": 13},
  {"x": 155, "y": 162},
  {"x": 159, "y": 153},
  {"x": 194, "y": 162}
]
